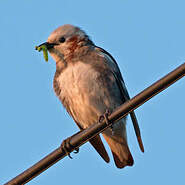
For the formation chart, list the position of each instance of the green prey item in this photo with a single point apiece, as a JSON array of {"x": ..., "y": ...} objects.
[{"x": 44, "y": 49}]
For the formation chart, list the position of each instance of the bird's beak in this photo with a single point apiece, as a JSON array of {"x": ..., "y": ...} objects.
[
  {"x": 45, "y": 47},
  {"x": 48, "y": 45}
]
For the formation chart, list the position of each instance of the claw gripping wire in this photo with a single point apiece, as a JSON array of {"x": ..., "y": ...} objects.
[
  {"x": 105, "y": 117},
  {"x": 66, "y": 146}
]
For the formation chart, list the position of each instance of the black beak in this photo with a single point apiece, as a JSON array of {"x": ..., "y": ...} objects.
[{"x": 48, "y": 45}]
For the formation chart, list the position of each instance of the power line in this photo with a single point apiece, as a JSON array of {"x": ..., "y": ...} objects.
[{"x": 82, "y": 137}]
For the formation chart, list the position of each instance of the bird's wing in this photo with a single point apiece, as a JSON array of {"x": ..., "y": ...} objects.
[{"x": 117, "y": 74}]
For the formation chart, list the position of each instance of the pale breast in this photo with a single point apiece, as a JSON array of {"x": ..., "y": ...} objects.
[
  {"x": 83, "y": 93},
  {"x": 77, "y": 87}
]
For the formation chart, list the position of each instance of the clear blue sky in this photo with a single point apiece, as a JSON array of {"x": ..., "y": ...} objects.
[{"x": 147, "y": 38}]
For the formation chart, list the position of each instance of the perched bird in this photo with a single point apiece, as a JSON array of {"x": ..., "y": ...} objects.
[{"x": 88, "y": 82}]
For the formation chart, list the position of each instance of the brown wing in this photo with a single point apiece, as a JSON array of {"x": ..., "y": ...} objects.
[{"x": 117, "y": 74}]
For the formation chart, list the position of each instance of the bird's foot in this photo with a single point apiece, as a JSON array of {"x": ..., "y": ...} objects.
[
  {"x": 76, "y": 150},
  {"x": 105, "y": 117},
  {"x": 67, "y": 147}
]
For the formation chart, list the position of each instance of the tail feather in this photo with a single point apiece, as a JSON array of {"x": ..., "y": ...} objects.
[
  {"x": 119, "y": 147},
  {"x": 98, "y": 145},
  {"x": 123, "y": 163},
  {"x": 137, "y": 130}
]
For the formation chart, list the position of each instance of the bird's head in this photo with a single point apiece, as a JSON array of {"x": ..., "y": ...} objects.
[{"x": 65, "y": 40}]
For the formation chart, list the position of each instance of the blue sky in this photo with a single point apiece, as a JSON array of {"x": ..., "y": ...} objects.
[{"x": 147, "y": 40}]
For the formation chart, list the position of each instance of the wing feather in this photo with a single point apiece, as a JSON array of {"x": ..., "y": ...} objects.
[{"x": 117, "y": 74}]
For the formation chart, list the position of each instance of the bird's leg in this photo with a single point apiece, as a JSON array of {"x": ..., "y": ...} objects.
[{"x": 105, "y": 117}]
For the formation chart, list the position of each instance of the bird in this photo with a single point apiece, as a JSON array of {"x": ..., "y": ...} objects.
[{"x": 88, "y": 82}]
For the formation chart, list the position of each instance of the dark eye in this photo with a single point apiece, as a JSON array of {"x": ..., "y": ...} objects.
[{"x": 62, "y": 40}]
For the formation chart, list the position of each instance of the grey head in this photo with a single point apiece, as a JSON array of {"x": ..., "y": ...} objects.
[{"x": 65, "y": 40}]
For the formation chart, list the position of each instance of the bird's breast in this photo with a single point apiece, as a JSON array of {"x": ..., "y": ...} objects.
[
  {"x": 86, "y": 92},
  {"x": 79, "y": 90}
]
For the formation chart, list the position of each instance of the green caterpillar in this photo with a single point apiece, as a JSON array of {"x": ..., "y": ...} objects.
[{"x": 45, "y": 51}]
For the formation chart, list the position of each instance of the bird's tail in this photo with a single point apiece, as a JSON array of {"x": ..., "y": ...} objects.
[
  {"x": 98, "y": 145},
  {"x": 117, "y": 141}
]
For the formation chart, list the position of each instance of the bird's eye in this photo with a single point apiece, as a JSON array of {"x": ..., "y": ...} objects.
[{"x": 62, "y": 40}]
